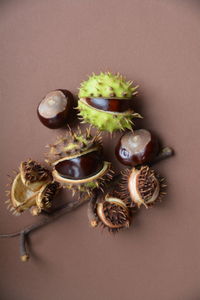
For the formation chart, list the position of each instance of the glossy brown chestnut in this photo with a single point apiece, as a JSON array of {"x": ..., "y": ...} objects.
[
  {"x": 80, "y": 167},
  {"x": 110, "y": 104},
  {"x": 138, "y": 147},
  {"x": 53, "y": 111}
]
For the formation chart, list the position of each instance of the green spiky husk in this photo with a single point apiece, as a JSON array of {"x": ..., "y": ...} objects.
[
  {"x": 107, "y": 85},
  {"x": 105, "y": 121}
]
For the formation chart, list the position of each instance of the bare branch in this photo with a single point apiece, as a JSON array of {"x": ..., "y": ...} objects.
[{"x": 59, "y": 212}]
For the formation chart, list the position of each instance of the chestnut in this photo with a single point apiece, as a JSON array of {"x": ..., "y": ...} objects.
[
  {"x": 77, "y": 161},
  {"x": 80, "y": 167},
  {"x": 110, "y": 104},
  {"x": 136, "y": 148},
  {"x": 53, "y": 111}
]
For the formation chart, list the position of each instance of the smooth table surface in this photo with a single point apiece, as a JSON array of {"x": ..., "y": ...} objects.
[{"x": 55, "y": 44}]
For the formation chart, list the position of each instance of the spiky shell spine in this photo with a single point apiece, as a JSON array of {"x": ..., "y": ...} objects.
[
  {"x": 45, "y": 197},
  {"x": 76, "y": 144},
  {"x": 72, "y": 144},
  {"x": 34, "y": 175},
  {"x": 106, "y": 85},
  {"x": 32, "y": 188},
  {"x": 142, "y": 186}
]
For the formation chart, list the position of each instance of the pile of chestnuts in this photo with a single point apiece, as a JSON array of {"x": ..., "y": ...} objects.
[{"x": 75, "y": 160}]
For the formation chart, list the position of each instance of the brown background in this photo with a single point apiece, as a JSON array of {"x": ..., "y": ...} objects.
[{"x": 55, "y": 44}]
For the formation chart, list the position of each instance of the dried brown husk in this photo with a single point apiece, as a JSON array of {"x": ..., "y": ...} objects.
[
  {"x": 32, "y": 188},
  {"x": 142, "y": 186},
  {"x": 113, "y": 213}
]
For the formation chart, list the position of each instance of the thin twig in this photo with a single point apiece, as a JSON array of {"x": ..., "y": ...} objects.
[
  {"x": 166, "y": 152},
  {"x": 45, "y": 221},
  {"x": 92, "y": 217},
  {"x": 23, "y": 234},
  {"x": 10, "y": 235},
  {"x": 22, "y": 247}
]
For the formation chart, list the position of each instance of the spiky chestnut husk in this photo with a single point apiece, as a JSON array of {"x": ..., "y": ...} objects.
[
  {"x": 142, "y": 186},
  {"x": 113, "y": 213},
  {"x": 32, "y": 188},
  {"x": 77, "y": 151},
  {"x": 46, "y": 196},
  {"x": 73, "y": 143},
  {"x": 34, "y": 175},
  {"x": 106, "y": 85}
]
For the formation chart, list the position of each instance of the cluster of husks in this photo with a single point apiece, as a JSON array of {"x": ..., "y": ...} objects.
[
  {"x": 138, "y": 187},
  {"x": 77, "y": 162},
  {"x": 78, "y": 165},
  {"x": 32, "y": 188},
  {"x": 77, "y": 157}
]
